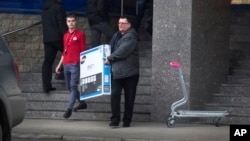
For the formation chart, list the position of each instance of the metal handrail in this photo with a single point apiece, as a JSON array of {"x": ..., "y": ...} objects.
[
  {"x": 35, "y": 24},
  {"x": 38, "y": 23},
  {"x": 20, "y": 29}
]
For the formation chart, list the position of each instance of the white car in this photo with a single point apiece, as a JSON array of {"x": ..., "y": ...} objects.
[{"x": 12, "y": 103}]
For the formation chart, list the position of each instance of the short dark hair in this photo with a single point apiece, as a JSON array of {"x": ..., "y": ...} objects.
[
  {"x": 129, "y": 19},
  {"x": 71, "y": 16}
]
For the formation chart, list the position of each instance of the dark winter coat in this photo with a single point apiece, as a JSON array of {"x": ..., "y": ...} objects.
[
  {"x": 97, "y": 11},
  {"x": 53, "y": 21},
  {"x": 124, "y": 58}
]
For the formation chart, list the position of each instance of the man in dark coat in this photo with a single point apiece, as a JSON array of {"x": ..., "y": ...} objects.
[
  {"x": 124, "y": 61},
  {"x": 54, "y": 27},
  {"x": 99, "y": 21}
]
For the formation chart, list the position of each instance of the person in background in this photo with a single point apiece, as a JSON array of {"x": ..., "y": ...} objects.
[
  {"x": 144, "y": 9},
  {"x": 148, "y": 24},
  {"x": 74, "y": 44},
  {"x": 98, "y": 19},
  {"x": 54, "y": 27},
  {"x": 124, "y": 61},
  {"x": 141, "y": 6}
]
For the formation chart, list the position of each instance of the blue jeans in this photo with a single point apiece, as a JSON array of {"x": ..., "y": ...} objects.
[{"x": 72, "y": 76}]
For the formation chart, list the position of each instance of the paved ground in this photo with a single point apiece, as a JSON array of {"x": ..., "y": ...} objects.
[{"x": 99, "y": 130}]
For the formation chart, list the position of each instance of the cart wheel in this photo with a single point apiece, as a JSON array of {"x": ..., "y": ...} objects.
[
  {"x": 170, "y": 122},
  {"x": 217, "y": 121},
  {"x": 169, "y": 118}
]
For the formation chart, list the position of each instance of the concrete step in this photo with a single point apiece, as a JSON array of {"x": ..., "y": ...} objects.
[
  {"x": 145, "y": 62},
  {"x": 52, "y": 106},
  {"x": 241, "y": 89},
  {"x": 234, "y": 96},
  {"x": 232, "y": 99},
  {"x": 238, "y": 80},
  {"x": 238, "y": 120},
  {"x": 93, "y": 107},
  {"x": 145, "y": 78},
  {"x": 80, "y": 115},
  {"x": 243, "y": 64},
  {"x": 63, "y": 96},
  {"x": 145, "y": 53},
  {"x": 233, "y": 109},
  {"x": 227, "y": 120},
  {"x": 238, "y": 113},
  {"x": 144, "y": 86},
  {"x": 146, "y": 72},
  {"x": 36, "y": 86},
  {"x": 240, "y": 71},
  {"x": 145, "y": 46},
  {"x": 37, "y": 76}
]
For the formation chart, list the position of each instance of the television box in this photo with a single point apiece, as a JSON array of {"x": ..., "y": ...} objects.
[{"x": 95, "y": 77}]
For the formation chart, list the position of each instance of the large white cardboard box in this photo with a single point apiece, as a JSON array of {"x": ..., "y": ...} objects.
[{"x": 95, "y": 77}]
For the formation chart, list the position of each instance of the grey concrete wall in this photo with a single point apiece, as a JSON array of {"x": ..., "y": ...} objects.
[
  {"x": 171, "y": 42},
  {"x": 27, "y": 45},
  {"x": 195, "y": 33},
  {"x": 209, "y": 49}
]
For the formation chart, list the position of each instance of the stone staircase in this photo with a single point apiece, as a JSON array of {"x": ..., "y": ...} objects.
[
  {"x": 234, "y": 95},
  {"x": 52, "y": 106}
]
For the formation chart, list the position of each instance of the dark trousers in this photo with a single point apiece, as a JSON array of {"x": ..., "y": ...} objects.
[
  {"x": 141, "y": 6},
  {"x": 97, "y": 30},
  {"x": 50, "y": 51},
  {"x": 129, "y": 85}
]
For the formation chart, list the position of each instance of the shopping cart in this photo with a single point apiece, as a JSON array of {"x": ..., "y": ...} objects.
[{"x": 217, "y": 115}]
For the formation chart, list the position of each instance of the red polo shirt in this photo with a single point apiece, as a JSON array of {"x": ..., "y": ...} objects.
[{"x": 74, "y": 44}]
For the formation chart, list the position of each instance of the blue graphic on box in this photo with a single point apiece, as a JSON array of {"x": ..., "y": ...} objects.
[{"x": 95, "y": 78}]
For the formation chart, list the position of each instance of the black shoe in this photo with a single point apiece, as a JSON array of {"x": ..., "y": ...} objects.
[
  {"x": 80, "y": 106},
  {"x": 126, "y": 124},
  {"x": 67, "y": 114},
  {"x": 46, "y": 91},
  {"x": 49, "y": 89},
  {"x": 52, "y": 89},
  {"x": 113, "y": 124}
]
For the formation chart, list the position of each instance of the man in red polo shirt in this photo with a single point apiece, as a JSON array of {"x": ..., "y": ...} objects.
[{"x": 74, "y": 44}]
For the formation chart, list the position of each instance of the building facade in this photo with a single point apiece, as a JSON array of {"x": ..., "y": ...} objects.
[{"x": 193, "y": 32}]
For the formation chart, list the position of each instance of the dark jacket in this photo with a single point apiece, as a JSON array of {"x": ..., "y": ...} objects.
[
  {"x": 53, "y": 21},
  {"x": 97, "y": 11},
  {"x": 124, "y": 59}
]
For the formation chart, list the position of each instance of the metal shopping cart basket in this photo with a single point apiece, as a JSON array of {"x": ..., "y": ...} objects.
[{"x": 217, "y": 115}]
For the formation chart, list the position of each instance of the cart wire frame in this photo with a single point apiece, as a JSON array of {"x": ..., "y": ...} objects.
[{"x": 189, "y": 113}]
